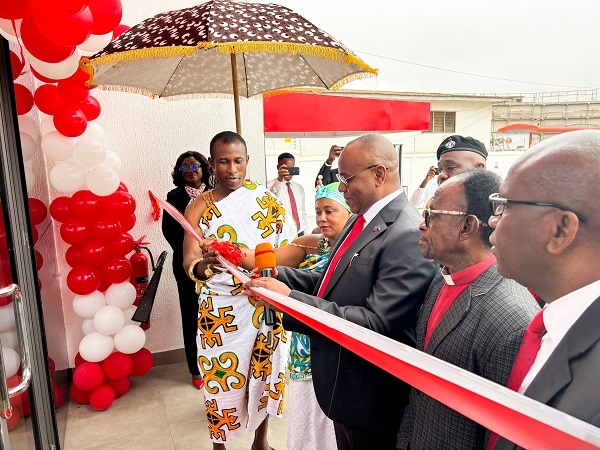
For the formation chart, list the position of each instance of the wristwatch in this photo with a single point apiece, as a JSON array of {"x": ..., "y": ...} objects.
[{"x": 208, "y": 273}]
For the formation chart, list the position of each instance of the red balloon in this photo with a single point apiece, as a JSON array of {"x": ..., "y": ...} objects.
[
  {"x": 16, "y": 65},
  {"x": 40, "y": 47},
  {"x": 72, "y": 91},
  {"x": 51, "y": 366},
  {"x": 70, "y": 121},
  {"x": 23, "y": 98},
  {"x": 121, "y": 246},
  {"x": 127, "y": 223},
  {"x": 107, "y": 229},
  {"x": 107, "y": 15},
  {"x": 117, "y": 271},
  {"x": 37, "y": 210},
  {"x": 66, "y": 29},
  {"x": 35, "y": 235},
  {"x": 76, "y": 231},
  {"x": 81, "y": 397},
  {"x": 13, "y": 10},
  {"x": 41, "y": 77},
  {"x": 47, "y": 99},
  {"x": 83, "y": 280},
  {"x": 117, "y": 366},
  {"x": 73, "y": 256},
  {"x": 39, "y": 260},
  {"x": 90, "y": 107},
  {"x": 85, "y": 204},
  {"x": 122, "y": 187},
  {"x": 119, "y": 204},
  {"x": 142, "y": 362},
  {"x": 25, "y": 404},
  {"x": 59, "y": 209},
  {"x": 119, "y": 386},
  {"x": 81, "y": 78},
  {"x": 102, "y": 398},
  {"x": 121, "y": 28},
  {"x": 58, "y": 394},
  {"x": 88, "y": 376},
  {"x": 104, "y": 285},
  {"x": 79, "y": 359},
  {"x": 94, "y": 252}
]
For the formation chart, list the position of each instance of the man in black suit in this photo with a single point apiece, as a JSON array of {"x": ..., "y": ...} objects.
[
  {"x": 547, "y": 238},
  {"x": 376, "y": 277},
  {"x": 326, "y": 174}
]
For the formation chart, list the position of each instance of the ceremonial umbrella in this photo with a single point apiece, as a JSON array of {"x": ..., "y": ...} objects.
[{"x": 225, "y": 48}]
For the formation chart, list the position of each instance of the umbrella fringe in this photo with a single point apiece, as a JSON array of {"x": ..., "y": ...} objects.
[{"x": 228, "y": 48}]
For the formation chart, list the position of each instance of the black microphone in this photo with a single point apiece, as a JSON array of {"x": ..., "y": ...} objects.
[{"x": 265, "y": 261}]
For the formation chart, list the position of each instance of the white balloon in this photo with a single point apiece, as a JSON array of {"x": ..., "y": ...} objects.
[
  {"x": 113, "y": 161},
  {"x": 102, "y": 180},
  {"x": 109, "y": 320},
  {"x": 121, "y": 295},
  {"x": 87, "y": 326},
  {"x": 10, "y": 31},
  {"x": 94, "y": 130},
  {"x": 128, "y": 313},
  {"x": 89, "y": 152},
  {"x": 29, "y": 126},
  {"x": 86, "y": 306},
  {"x": 47, "y": 125},
  {"x": 68, "y": 177},
  {"x": 130, "y": 339},
  {"x": 28, "y": 146},
  {"x": 57, "y": 147},
  {"x": 12, "y": 361},
  {"x": 9, "y": 339},
  {"x": 30, "y": 179},
  {"x": 7, "y": 318},
  {"x": 55, "y": 71},
  {"x": 94, "y": 43},
  {"x": 95, "y": 347}
]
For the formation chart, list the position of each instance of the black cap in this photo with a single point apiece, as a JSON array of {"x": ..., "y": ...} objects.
[{"x": 464, "y": 143}]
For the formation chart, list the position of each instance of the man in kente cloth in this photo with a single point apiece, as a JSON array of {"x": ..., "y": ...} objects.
[{"x": 242, "y": 359}]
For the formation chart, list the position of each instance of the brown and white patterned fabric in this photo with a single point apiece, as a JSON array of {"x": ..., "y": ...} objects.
[{"x": 188, "y": 53}]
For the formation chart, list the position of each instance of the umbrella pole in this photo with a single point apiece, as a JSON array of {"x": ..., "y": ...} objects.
[{"x": 236, "y": 98}]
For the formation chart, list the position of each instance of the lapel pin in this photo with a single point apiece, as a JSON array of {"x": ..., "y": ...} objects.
[{"x": 376, "y": 229}]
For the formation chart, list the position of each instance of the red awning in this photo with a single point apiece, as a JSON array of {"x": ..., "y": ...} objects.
[
  {"x": 527, "y": 128},
  {"x": 289, "y": 114}
]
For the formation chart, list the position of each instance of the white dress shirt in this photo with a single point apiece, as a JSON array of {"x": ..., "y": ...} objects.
[
  {"x": 378, "y": 206},
  {"x": 559, "y": 317},
  {"x": 422, "y": 195},
  {"x": 279, "y": 188}
]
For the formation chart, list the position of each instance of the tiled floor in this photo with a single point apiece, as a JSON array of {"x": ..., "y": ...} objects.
[{"x": 161, "y": 411}]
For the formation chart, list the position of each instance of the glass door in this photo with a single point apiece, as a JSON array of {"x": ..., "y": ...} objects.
[{"x": 20, "y": 292}]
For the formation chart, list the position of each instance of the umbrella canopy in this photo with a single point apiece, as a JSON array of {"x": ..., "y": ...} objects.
[{"x": 225, "y": 48}]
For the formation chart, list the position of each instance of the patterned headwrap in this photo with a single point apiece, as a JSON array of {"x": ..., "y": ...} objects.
[{"x": 331, "y": 191}]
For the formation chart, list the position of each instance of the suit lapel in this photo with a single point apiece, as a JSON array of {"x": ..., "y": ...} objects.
[
  {"x": 556, "y": 373},
  {"x": 372, "y": 229},
  {"x": 460, "y": 307},
  {"x": 425, "y": 312}
]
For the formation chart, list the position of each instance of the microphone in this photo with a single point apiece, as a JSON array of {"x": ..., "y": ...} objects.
[{"x": 265, "y": 261}]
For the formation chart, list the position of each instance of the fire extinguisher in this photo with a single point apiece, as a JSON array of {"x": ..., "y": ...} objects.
[{"x": 140, "y": 272}]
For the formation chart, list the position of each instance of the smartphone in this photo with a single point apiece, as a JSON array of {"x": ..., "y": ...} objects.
[
  {"x": 437, "y": 171},
  {"x": 293, "y": 170}
]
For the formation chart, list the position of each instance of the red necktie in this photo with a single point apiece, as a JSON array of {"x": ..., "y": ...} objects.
[
  {"x": 532, "y": 341},
  {"x": 356, "y": 229},
  {"x": 293, "y": 205}
]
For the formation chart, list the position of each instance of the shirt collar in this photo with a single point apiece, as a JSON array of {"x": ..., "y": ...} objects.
[
  {"x": 561, "y": 314},
  {"x": 379, "y": 205},
  {"x": 469, "y": 274}
]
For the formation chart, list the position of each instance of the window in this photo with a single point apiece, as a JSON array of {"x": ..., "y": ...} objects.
[{"x": 442, "y": 121}]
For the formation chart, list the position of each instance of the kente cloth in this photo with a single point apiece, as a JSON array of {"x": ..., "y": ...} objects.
[{"x": 242, "y": 360}]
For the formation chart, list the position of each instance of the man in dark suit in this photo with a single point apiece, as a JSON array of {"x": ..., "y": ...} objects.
[
  {"x": 547, "y": 237},
  {"x": 327, "y": 174},
  {"x": 377, "y": 278},
  {"x": 471, "y": 317}
]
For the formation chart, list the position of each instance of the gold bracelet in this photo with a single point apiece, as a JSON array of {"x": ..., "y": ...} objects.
[{"x": 208, "y": 272}]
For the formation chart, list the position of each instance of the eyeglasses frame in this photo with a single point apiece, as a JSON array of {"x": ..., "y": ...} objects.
[
  {"x": 345, "y": 180},
  {"x": 184, "y": 168},
  {"x": 501, "y": 202}
]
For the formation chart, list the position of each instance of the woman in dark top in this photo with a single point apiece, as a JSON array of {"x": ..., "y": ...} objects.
[{"x": 192, "y": 175}]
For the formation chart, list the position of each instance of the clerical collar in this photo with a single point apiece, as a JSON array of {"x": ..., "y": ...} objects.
[{"x": 468, "y": 275}]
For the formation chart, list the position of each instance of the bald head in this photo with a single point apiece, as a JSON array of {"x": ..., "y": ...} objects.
[{"x": 375, "y": 149}]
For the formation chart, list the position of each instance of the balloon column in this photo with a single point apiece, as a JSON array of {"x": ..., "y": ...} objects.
[{"x": 97, "y": 211}]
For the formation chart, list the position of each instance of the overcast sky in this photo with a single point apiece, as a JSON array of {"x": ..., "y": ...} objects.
[{"x": 553, "y": 43}]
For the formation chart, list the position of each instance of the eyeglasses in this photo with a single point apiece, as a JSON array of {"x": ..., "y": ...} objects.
[
  {"x": 192, "y": 167},
  {"x": 499, "y": 205},
  {"x": 345, "y": 180},
  {"x": 428, "y": 212}
]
